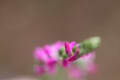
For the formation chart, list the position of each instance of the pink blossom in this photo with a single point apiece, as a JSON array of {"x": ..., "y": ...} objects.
[
  {"x": 87, "y": 65},
  {"x": 39, "y": 54},
  {"x": 71, "y": 56},
  {"x": 47, "y": 57},
  {"x": 65, "y": 63},
  {"x": 39, "y": 70},
  {"x": 88, "y": 62},
  {"x": 76, "y": 73},
  {"x": 75, "y": 56}
]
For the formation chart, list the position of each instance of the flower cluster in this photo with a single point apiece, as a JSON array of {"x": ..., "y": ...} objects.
[
  {"x": 76, "y": 58},
  {"x": 46, "y": 58}
]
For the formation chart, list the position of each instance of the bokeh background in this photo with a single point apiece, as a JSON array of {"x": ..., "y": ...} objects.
[{"x": 25, "y": 24}]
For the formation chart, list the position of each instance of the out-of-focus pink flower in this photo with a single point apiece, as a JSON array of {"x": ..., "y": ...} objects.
[
  {"x": 88, "y": 62},
  {"x": 51, "y": 66},
  {"x": 65, "y": 63},
  {"x": 39, "y": 70},
  {"x": 76, "y": 73},
  {"x": 40, "y": 55},
  {"x": 92, "y": 69},
  {"x": 87, "y": 65},
  {"x": 47, "y": 57}
]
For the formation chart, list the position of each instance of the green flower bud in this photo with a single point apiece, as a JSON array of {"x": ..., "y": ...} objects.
[
  {"x": 89, "y": 45},
  {"x": 95, "y": 42}
]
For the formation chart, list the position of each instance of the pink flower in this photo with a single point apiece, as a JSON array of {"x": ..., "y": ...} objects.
[
  {"x": 88, "y": 62},
  {"x": 40, "y": 55},
  {"x": 69, "y": 51},
  {"x": 39, "y": 70},
  {"x": 47, "y": 57},
  {"x": 86, "y": 65},
  {"x": 65, "y": 63},
  {"x": 76, "y": 73},
  {"x": 75, "y": 56}
]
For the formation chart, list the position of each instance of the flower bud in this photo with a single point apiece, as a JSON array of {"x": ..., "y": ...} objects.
[{"x": 90, "y": 44}]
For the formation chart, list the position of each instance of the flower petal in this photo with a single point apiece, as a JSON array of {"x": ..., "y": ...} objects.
[
  {"x": 39, "y": 54},
  {"x": 68, "y": 49}
]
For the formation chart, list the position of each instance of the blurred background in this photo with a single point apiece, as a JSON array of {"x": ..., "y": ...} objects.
[{"x": 25, "y": 24}]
